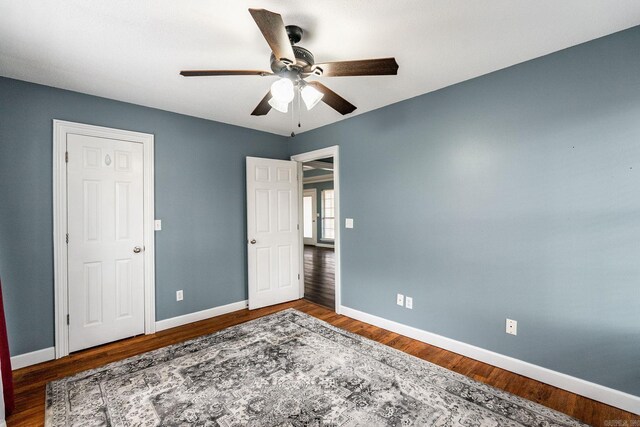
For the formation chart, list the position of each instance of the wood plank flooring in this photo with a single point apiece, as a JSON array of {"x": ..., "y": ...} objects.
[
  {"x": 319, "y": 275},
  {"x": 30, "y": 382}
]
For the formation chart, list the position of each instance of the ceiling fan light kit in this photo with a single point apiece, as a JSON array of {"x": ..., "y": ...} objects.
[
  {"x": 293, "y": 64},
  {"x": 282, "y": 90},
  {"x": 281, "y": 106},
  {"x": 310, "y": 96}
]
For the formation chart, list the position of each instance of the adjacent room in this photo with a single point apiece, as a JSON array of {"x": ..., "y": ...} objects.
[
  {"x": 330, "y": 213},
  {"x": 319, "y": 223}
]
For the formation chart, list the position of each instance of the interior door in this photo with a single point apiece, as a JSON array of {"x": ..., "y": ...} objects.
[
  {"x": 105, "y": 241},
  {"x": 310, "y": 217},
  {"x": 272, "y": 231}
]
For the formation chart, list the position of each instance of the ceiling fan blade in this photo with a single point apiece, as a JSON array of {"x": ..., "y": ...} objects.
[
  {"x": 333, "y": 100},
  {"x": 263, "y": 107},
  {"x": 272, "y": 27},
  {"x": 363, "y": 67},
  {"x": 198, "y": 73}
]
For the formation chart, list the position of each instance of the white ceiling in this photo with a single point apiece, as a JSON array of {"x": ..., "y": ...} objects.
[{"x": 133, "y": 50}]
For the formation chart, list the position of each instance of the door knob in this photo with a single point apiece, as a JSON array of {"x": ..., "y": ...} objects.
[
  {"x": 137, "y": 250},
  {"x": 253, "y": 241}
]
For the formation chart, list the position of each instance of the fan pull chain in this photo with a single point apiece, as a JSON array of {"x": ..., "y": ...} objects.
[
  {"x": 299, "y": 109},
  {"x": 292, "y": 120}
]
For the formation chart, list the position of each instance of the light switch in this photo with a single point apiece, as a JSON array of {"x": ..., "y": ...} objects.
[
  {"x": 157, "y": 225},
  {"x": 348, "y": 223}
]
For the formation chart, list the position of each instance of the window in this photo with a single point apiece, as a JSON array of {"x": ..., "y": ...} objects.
[
  {"x": 307, "y": 215},
  {"x": 328, "y": 215}
]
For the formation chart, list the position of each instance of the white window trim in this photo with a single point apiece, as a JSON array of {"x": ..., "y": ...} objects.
[
  {"x": 322, "y": 217},
  {"x": 60, "y": 131}
]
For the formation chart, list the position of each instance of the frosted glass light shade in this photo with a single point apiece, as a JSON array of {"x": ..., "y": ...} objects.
[
  {"x": 311, "y": 96},
  {"x": 282, "y": 90},
  {"x": 283, "y": 107}
]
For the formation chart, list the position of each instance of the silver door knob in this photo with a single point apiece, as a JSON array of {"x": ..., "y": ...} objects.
[
  {"x": 137, "y": 250},
  {"x": 253, "y": 241}
]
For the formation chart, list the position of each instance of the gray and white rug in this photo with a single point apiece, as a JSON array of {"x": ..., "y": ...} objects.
[{"x": 286, "y": 369}]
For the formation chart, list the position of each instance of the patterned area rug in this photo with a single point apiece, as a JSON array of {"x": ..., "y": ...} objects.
[{"x": 286, "y": 369}]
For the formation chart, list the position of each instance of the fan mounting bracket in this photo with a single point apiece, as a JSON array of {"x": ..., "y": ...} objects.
[{"x": 295, "y": 33}]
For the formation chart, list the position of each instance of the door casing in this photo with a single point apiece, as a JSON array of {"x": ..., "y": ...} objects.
[
  {"x": 60, "y": 131},
  {"x": 323, "y": 153}
]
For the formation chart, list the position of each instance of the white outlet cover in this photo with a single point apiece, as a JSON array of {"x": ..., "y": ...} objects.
[
  {"x": 512, "y": 327},
  {"x": 179, "y": 295},
  {"x": 157, "y": 224},
  {"x": 400, "y": 299},
  {"x": 348, "y": 223},
  {"x": 408, "y": 303}
]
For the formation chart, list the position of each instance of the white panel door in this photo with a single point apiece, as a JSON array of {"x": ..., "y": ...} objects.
[
  {"x": 272, "y": 231},
  {"x": 310, "y": 217},
  {"x": 105, "y": 226}
]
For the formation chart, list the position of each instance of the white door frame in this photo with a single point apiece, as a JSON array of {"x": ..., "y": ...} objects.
[
  {"x": 313, "y": 193},
  {"x": 322, "y": 153},
  {"x": 61, "y": 291}
]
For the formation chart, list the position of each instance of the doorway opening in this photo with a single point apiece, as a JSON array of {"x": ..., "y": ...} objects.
[
  {"x": 319, "y": 231},
  {"x": 320, "y": 227}
]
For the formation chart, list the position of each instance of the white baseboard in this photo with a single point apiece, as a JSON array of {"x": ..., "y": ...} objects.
[
  {"x": 3, "y": 423},
  {"x": 200, "y": 315},
  {"x": 33, "y": 358},
  {"x": 603, "y": 394},
  {"x": 46, "y": 354},
  {"x": 325, "y": 245}
]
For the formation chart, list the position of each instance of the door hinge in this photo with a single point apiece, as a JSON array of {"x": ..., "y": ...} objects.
[
  {"x": 67, "y": 319},
  {"x": 298, "y": 226},
  {"x": 66, "y": 157},
  {"x": 67, "y": 238},
  {"x": 298, "y": 276}
]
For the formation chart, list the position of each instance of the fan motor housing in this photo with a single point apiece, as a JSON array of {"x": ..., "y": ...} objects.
[{"x": 304, "y": 58}]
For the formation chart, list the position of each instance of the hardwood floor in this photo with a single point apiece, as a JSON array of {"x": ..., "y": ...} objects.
[
  {"x": 30, "y": 382},
  {"x": 319, "y": 275}
]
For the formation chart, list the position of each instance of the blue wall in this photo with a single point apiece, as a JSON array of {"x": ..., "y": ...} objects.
[
  {"x": 516, "y": 194},
  {"x": 200, "y": 197},
  {"x": 319, "y": 187}
]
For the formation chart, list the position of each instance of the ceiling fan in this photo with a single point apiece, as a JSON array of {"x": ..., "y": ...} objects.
[{"x": 293, "y": 64}]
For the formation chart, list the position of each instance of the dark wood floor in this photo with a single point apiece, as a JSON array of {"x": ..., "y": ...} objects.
[
  {"x": 30, "y": 382},
  {"x": 319, "y": 275}
]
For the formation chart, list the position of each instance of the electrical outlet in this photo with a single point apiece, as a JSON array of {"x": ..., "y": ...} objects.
[
  {"x": 157, "y": 224},
  {"x": 348, "y": 223},
  {"x": 179, "y": 295},
  {"x": 408, "y": 302},
  {"x": 512, "y": 327},
  {"x": 400, "y": 300}
]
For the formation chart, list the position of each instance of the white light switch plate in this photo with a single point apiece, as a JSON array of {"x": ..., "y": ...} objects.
[
  {"x": 157, "y": 224},
  {"x": 408, "y": 302},
  {"x": 179, "y": 295},
  {"x": 400, "y": 299},
  {"x": 348, "y": 223}
]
